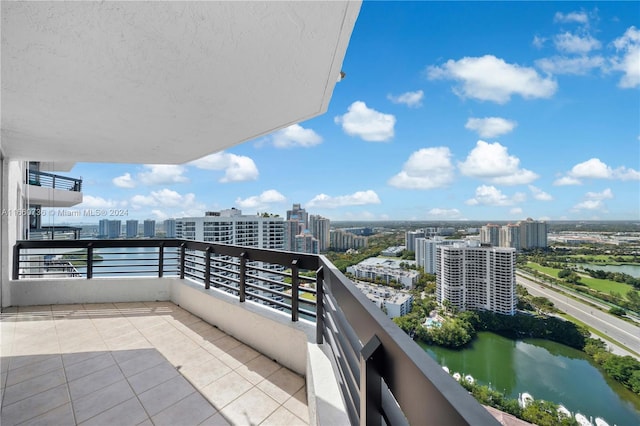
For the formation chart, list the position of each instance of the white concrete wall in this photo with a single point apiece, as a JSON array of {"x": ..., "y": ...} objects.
[
  {"x": 270, "y": 332},
  {"x": 95, "y": 290},
  {"x": 50, "y": 197}
]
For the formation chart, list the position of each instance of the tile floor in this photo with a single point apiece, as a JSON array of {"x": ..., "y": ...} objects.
[{"x": 136, "y": 364}]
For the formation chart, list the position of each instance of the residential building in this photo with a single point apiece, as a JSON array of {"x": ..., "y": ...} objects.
[
  {"x": 385, "y": 271},
  {"x": 306, "y": 243},
  {"x": 395, "y": 251},
  {"x": 103, "y": 228},
  {"x": 410, "y": 239},
  {"x": 149, "y": 228},
  {"x": 131, "y": 228},
  {"x": 232, "y": 227},
  {"x": 320, "y": 228},
  {"x": 341, "y": 241},
  {"x": 533, "y": 234},
  {"x": 510, "y": 236},
  {"x": 170, "y": 228},
  {"x": 395, "y": 303},
  {"x": 490, "y": 234},
  {"x": 114, "y": 229},
  {"x": 291, "y": 230},
  {"x": 299, "y": 214},
  {"x": 427, "y": 250},
  {"x": 474, "y": 277}
]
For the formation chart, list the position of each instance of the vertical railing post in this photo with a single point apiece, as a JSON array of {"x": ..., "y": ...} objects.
[
  {"x": 16, "y": 262},
  {"x": 370, "y": 384},
  {"x": 182, "y": 258},
  {"x": 242, "y": 289},
  {"x": 89, "y": 261},
  {"x": 207, "y": 268},
  {"x": 160, "y": 260},
  {"x": 319, "y": 306},
  {"x": 53, "y": 182},
  {"x": 295, "y": 284}
]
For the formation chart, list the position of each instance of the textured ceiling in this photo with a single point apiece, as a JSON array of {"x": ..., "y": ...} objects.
[{"x": 163, "y": 82}]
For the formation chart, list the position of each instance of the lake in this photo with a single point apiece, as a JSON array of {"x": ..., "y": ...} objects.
[
  {"x": 545, "y": 369},
  {"x": 633, "y": 270}
]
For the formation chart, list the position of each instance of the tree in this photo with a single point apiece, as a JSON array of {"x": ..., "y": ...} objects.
[{"x": 615, "y": 310}]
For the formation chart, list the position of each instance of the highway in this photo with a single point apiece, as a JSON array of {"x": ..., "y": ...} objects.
[{"x": 619, "y": 330}]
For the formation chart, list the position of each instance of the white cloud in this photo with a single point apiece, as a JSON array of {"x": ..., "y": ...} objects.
[
  {"x": 295, "y": 135},
  {"x": 410, "y": 99},
  {"x": 492, "y": 196},
  {"x": 578, "y": 17},
  {"x": 572, "y": 43},
  {"x": 261, "y": 201},
  {"x": 162, "y": 174},
  {"x": 367, "y": 123},
  {"x": 594, "y": 200},
  {"x": 566, "y": 181},
  {"x": 579, "y": 65},
  {"x": 426, "y": 168},
  {"x": 91, "y": 202},
  {"x": 538, "y": 42},
  {"x": 124, "y": 181},
  {"x": 488, "y": 78},
  {"x": 237, "y": 168},
  {"x": 490, "y": 127},
  {"x": 515, "y": 210},
  {"x": 166, "y": 198},
  {"x": 492, "y": 162},
  {"x": 539, "y": 194},
  {"x": 356, "y": 199},
  {"x": 439, "y": 213},
  {"x": 629, "y": 62}
]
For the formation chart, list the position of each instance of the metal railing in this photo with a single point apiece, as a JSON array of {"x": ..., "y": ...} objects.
[
  {"x": 50, "y": 180},
  {"x": 384, "y": 376}
]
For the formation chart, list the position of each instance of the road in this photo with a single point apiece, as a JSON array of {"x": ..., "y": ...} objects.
[{"x": 619, "y": 330}]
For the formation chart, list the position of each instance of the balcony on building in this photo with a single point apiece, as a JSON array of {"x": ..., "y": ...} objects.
[{"x": 47, "y": 189}]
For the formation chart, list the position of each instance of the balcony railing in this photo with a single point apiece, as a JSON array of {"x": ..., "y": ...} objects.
[
  {"x": 50, "y": 180},
  {"x": 384, "y": 376}
]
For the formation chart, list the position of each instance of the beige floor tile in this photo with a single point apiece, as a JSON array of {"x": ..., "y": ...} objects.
[
  {"x": 221, "y": 346},
  {"x": 33, "y": 386},
  {"x": 281, "y": 385},
  {"x": 62, "y": 415},
  {"x": 216, "y": 420},
  {"x": 101, "y": 400},
  {"x": 91, "y": 345},
  {"x": 95, "y": 381},
  {"x": 34, "y": 406},
  {"x": 205, "y": 373},
  {"x": 252, "y": 407},
  {"x": 152, "y": 377},
  {"x": 165, "y": 395},
  {"x": 73, "y": 358},
  {"x": 297, "y": 404},
  {"x": 191, "y": 410},
  {"x": 226, "y": 389},
  {"x": 146, "y": 359},
  {"x": 238, "y": 356},
  {"x": 127, "y": 413},
  {"x": 258, "y": 369},
  {"x": 197, "y": 357},
  {"x": 281, "y": 417},
  {"x": 89, "y": 366},
  {"x": 33, "y": 370}
]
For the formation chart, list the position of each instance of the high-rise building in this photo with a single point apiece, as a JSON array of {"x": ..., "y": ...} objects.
[
  {"x": 533, "y": 234},
  {"x": 291, "y": 229},
  {"x": 131, "y": 227},
  {"x": 473, "y": 277},
  {"x": 340, "y": 240},
  {"x": 170, "y": 228},
  {"x": 103, "y": 228},
  {"x": 490, "y": 234},
  {"x": 149, "y": 228},
  {"x": 306, "y": 243},
  {"x": 114, "y": 228},
  {"x": 427, "y": 249},
  {"x": 320, "y": 228},
  {"x": 232, "y": 227},
  {"x": 299, "y": 214},
  {"x": 510, "y": 236},
  {"x": 410, "y": 238}
]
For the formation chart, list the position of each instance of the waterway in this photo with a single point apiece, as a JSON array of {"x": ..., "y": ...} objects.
[
  {"x": 633, "y": 270},
  {"x": 137, "y": 261},
  {"x": 545, "y": 369}
]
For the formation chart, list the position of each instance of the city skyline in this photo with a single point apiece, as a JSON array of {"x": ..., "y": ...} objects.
[{"x": 448, "y": 111}]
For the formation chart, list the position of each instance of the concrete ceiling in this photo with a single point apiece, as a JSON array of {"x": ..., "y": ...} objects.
[{"x": 163, "y": 82}]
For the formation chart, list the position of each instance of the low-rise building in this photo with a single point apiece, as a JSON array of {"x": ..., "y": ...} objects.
[
  {"x": 395, "y": 303},
  {"x": 385, "y": 270}
]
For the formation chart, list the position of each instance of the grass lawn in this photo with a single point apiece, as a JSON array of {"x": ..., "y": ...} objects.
[
  {"x": 605, "y": 259},
  {"x": 604, "y": 286}
]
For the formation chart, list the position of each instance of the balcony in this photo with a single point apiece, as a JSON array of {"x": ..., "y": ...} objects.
[
  {"x": 338, "y": 358},
  {"x": 51, "y": 190}
]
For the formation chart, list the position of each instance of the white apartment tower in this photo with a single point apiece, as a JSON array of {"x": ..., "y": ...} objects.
[
  {"x": 490, "y": 234},
  {"x": 427, "y": 249},
  {"x": 533, "y": 234},
  {"x": 320, "y": 227},
  {"x": 477, "y": 278},
  {"x": 410, "y": 238},
  {"x": 232, "y": 227}
]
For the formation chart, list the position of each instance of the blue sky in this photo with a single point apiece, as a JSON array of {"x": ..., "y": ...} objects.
[{"x": 449, "y": 111}]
